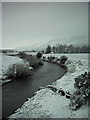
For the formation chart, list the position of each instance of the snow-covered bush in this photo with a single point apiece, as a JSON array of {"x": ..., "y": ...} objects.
[
  {"x": 68, "y": 62},
  {"x": 63, "y": 59},
  {"x": 44, "y": 57},
  {"x": 18, "y": 70},
  {"x": 56, "y": 60},
  {"x": 71, "y": 68},
  {"x": 50, "y": 58},
  {"x": 32, "y": 60},
  {"x": 82, "y": 94},
  {"x": 22, "y": 55}
]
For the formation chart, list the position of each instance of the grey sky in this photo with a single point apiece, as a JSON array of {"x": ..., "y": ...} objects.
[{"x": 26, "y": 24}]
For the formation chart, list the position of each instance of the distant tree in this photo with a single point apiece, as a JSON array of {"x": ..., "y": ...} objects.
[
  {"x": 88, "y": 49},
  {"x": 84, "y": 49},
  {"x": 4, "y": 51},
  {"x": 57, "y": 48},
  {"x": 77, "y": 49},
  {"x": 48, "y": 49},
  {"x": 53, "y": 49},
  {"x": 64, "y": 48},
  {"x": 71, "y": 49}
]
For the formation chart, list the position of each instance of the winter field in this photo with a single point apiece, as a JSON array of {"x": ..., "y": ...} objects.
[{"x": 48, "y": 104}]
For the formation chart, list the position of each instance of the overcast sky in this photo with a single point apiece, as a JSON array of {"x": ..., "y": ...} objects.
[{"x": 25, "y": 24}]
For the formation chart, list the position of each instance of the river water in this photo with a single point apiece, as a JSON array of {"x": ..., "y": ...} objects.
[{"x": 15, "y": 93}]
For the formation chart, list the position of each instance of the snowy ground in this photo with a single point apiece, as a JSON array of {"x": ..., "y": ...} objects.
[
  {"x": 31, "y": 53},
  {"x": 70, "y": 56},
  {"x": 5, "y": 61},
  {"x": 48, "y": 104}
]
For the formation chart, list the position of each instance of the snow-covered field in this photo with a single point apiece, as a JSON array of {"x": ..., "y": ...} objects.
[
  {"x": 31, "y": 53},
  {"x": 5, "y": 61},
  {"x": 48, "y": 104},
  {"x": 70, "y": 56}
]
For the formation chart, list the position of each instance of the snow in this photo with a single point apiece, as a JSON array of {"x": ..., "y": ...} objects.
[
  {"x": 48, "y": 104},
  {"x": 70, "y": 56},
  {"x": 5, "y": 61},
  {"x": 31, "y": 53}
]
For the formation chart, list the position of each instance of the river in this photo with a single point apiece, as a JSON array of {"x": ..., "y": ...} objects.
[{"x": 15, "y": 93}]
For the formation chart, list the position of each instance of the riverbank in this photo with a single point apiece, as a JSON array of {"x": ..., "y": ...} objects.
[
  {"x": 5, "y": 62},
  {"x": 49, "y": 104},
  {"x": 27, "y": 62},
  {"x": 21, "y": 90}
]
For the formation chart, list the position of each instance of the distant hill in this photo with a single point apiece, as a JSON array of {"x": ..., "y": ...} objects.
[{"x": 79, "y": 40}]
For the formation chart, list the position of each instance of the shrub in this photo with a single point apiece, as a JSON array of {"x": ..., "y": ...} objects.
[
  {"x": 50, "y": 58},
  {"x": 82, "y": 94},
  {"x": 43, "y": 57},
  {"x": 22, "y": 55},
  {"x": 33, "y": 61},
  {"x": 63, "y": 59},
  {"x": 18, "y": 70},
  {"x": 39, "y": 55},
  {"x": 72, "y": 68}
]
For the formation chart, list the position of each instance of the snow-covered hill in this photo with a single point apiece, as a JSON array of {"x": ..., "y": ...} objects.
[{"x": 79, "y": 40}]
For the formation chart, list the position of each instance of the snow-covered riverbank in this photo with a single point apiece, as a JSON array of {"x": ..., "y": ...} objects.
[
  {"x": 48, "y": 104},
  {"x": 5, "y": 62}
]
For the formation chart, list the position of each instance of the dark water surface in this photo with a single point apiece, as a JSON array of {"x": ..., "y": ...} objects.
[{"x": 15, "y": 93}]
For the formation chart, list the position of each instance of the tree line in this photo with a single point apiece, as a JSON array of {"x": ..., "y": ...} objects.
[{"x": 59, "y": 48}]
